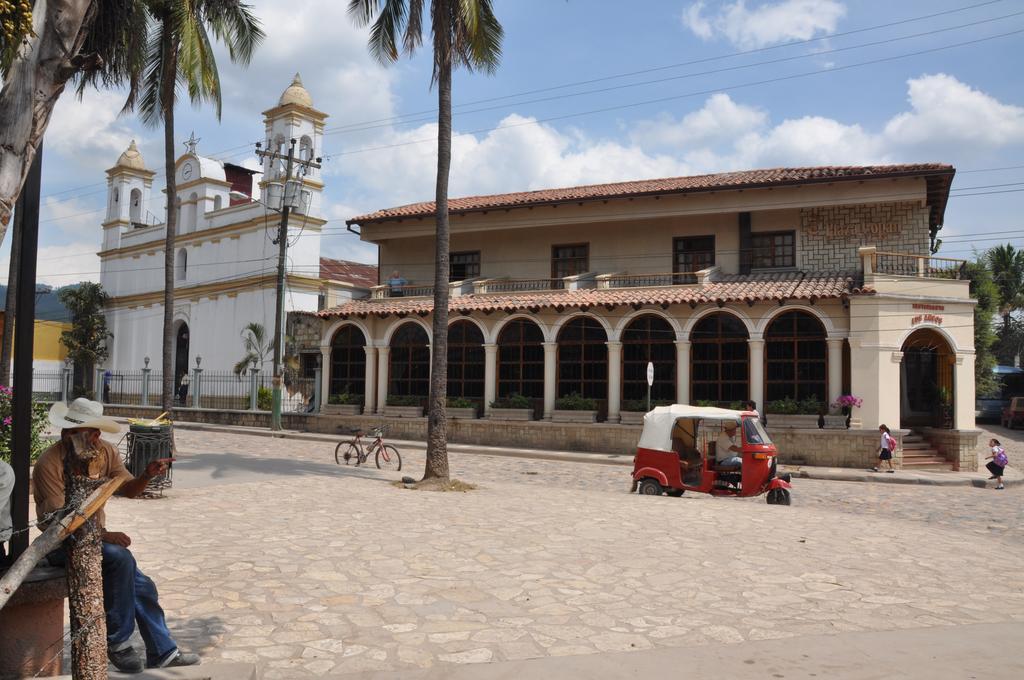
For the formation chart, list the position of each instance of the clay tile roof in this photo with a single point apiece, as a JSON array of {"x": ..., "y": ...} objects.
[
  {"x": 356, "y": 273},
  {"x": 771, "y": 287},
  {"x": 941, "y": 172}
]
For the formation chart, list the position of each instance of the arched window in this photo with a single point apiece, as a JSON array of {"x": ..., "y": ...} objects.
[
  {"x": 409, "y": 367},
  {"x": 465, "y": 360},
  {"x": 305, "y": 148},
  {"x": 649, "y": 338},
  {"x": 348, "y": 361},
  {"x": 720, "y": 363},
  {"x": 521, "y": 359},
  {"x": 135, "y": 206},
  {"x": 796, "y": 358},
  {"x": 217, "y": 202},
  {"x": 583, "y": 359},
  {"x": 181, "y": 265}
]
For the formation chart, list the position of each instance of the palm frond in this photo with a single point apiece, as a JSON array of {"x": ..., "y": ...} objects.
[
  {"x": 386, "y": 31},
  {"x": 235, "y": 25}
]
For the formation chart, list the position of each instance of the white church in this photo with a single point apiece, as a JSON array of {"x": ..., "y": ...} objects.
[{"x": 225, "y": 261}]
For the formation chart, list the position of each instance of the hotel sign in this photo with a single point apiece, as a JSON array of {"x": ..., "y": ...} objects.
[
  {"x": 876, "y": 230},
  {"x": 926, "y": 318}
]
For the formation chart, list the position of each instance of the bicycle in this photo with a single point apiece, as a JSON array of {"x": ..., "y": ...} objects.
[{"x": 385, "y": 456}]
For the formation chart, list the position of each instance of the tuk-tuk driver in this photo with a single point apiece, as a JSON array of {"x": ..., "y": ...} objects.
[{"x": 728, "y": 453}]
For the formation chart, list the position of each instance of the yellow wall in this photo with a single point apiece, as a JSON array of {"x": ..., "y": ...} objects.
[{"x": 46, "y": 343}]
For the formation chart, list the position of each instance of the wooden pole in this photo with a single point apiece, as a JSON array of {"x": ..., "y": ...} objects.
[{"x": 85, "y": 591}]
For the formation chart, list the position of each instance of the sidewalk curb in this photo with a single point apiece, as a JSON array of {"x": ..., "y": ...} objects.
[{"x": 798, "y": 472}]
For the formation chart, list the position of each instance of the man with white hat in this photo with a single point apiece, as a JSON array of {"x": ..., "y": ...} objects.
[{"x": 129, "y": 596}]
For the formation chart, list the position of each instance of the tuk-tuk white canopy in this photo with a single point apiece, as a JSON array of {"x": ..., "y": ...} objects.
[{"x": 658, "y": 424}]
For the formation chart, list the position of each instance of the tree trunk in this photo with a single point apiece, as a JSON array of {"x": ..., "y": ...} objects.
[
  {"x": 437, "y": 420},
  {"x": 85, "y": 590},
  {"x": 167, "y": 102},
  {"x": 35, "y": 82},
  {"x": 10, "y": 308}
]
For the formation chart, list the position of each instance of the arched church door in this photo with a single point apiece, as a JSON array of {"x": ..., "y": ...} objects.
[{"x": 181, "y": 353}]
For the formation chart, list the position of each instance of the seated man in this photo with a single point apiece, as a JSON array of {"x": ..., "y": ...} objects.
[
  {"x": 728, "y": 452},
  {"x": 129, "y": 596}
]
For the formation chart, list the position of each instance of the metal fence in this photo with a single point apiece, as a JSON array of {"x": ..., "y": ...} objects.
[
  {"x": 50, "y": 385},
  {"x": 223, "y": 390}
]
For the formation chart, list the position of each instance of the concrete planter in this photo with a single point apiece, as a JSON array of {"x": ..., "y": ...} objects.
[
  {"x": 512, "y": 414},
  {"x": 403, "y": 411},
  {"x": 559, "y": 416},
  {"x": 467, "y": 413},
  {"x": 632, "y": 417},
  {"x": 801, "y": 422},
  {"x": 341, "y": 409},
  {"x": 835, "y": 422}
]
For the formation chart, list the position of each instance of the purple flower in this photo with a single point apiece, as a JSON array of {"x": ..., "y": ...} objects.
[{"x": 7, "y": 420}]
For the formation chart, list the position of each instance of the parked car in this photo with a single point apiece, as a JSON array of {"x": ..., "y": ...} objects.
[
  {"x": 1013, "y": 414},
  {"x": 989, "y": 409}
]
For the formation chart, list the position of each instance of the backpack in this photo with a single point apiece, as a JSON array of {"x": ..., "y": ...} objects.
[
  {"x": 890, "y": 442},
  {"x": 1000, "y": 457}
]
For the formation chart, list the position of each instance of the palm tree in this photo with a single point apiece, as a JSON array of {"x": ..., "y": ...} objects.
[
  {"x": 465, "y": 33},
  {"x": 180, "y": 52},
  {"x": 1007, "y": 265},
  {"x": 257, "y": 349}
]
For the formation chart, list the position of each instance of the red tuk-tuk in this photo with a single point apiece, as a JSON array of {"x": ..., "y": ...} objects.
[{"x": 676, "y": 453}]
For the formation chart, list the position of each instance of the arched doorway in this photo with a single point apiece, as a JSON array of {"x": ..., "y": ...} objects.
[
  {"x": 521, "y": 361},
  {"x": 348, "y": 362},
  {"x": 720, "y": 360},
  {"x": 648, "y": 338},
  {"x": 583, "y": 360},
  {"x": 409, "y": 362},
  {"x": 465, "y": 361},
  {"x": 796, "y": 358},
  {"x": 926, "y": 380},
  {"x": 181, "y": 349}
]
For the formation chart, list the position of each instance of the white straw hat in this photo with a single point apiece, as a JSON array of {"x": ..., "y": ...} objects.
[{"x": 82, "y": 413}]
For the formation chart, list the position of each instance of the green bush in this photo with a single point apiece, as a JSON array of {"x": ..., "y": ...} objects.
[
  {"x": 404, "y": 400},
  {"x": 264, "y": 399},
  {"x": 640, "y": 405},
  {"x": 39, "y": 423},
  {"x": 704, "y": 403},
  {"x": 345, "y": 398},
  {"x": 575, "y": 402},
  {"x": 460, "y": 402},
  {"x": 788, "y": 406},
  {"x": 512, "y": 401}
]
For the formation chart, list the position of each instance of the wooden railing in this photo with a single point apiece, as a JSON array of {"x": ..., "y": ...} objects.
[
  {"x": 920, "y": 266},
  {"x": 648, "y": 280}
]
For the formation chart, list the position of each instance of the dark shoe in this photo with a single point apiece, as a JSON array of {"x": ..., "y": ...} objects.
[
  {"x": 176, "y": 658},
  {"x": 126, "y": 660}
]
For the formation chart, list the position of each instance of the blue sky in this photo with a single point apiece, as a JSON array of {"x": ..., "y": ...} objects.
[{"x": 961, "y": 105}]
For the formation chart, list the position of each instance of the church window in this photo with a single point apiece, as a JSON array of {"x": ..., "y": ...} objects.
[
  {"x": 217, "y": 202},
  {"x": 181, "y": 265}
]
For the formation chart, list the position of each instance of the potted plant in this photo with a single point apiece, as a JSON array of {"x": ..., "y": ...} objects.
[
  {"x": 575, "y": 408},
  {"x": 793, "y": 413},
  {"x": 634, "y": 410},
  {"x": 460, "y": 407},
  {"x": 945, "y": 407},
  {"x": 404, "y": 406},
  {"x": 513, "y": 407},
  {"x": 843, "y": 406},
  {"x": 344, "y": 404}
]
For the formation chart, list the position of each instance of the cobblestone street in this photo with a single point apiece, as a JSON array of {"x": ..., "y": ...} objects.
[{"x": 267, "y": 552}]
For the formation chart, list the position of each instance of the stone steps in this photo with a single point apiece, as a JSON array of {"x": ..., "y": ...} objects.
[{"x": 919, "y": 454}]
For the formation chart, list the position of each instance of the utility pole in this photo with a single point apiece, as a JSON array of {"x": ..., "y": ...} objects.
[{"x": 287, "y": 203}]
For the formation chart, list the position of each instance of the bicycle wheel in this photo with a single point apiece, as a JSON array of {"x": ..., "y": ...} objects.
[
  {"x": 388, "y": 458},
  {"x": 346, "y": 452}
]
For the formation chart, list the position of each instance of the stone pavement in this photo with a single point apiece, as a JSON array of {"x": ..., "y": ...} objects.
[{"x": 266, "y": 552}]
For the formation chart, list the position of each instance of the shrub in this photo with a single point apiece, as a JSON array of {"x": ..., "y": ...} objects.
[
  {"x": 512, "y": 401},
  {"x": 404, "y": 400},
  {"x": 575, "y": 402},
  {"x": 640, "y": 405},
  {"x": 264, "y": 399},
  {"x": 39, "y": 423},
  {"x": 345, "y": 398},
  {"x": 460, "y": 402},
  {"x": 704, "y": 403},
  {"x": 788, "y": 406}
]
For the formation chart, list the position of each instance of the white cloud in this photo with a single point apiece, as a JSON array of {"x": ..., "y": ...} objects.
[
  {"x": 62, "y": 265},
  {"x": 89, "y": 129},
  {"x": 766, "y": 24},
  {"x": 719, "y": 120}
]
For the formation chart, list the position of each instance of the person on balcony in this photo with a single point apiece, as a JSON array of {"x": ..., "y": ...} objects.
[
  {"x": 396, "y": 284},
  {"x": 129, "y": 596}
]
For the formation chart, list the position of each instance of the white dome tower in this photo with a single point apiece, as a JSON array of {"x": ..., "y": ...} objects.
[
  {"x": 295, "y": 118},
  {"x": 128, "y": 188}
]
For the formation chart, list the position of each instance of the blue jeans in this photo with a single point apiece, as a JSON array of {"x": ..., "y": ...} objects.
[
  {"x": 130, "y": 597},
  {"x": 730, "y": 463}
]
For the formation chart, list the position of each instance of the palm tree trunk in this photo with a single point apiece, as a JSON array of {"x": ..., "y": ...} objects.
[
  {"x": 437, "y": 421},
  {"x": 167, "y": 103},
  {"x": 10, "y": 308}
]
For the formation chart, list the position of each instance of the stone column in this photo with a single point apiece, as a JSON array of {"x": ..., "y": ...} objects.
[
  {"x": 383, "y": 354},
  {"x": 835, "y": 369},
  {"x": 490, "y": 375},
  {"x": 614, "y": 381},
  {"x": 325, "y": 375},
  {"x": 550, "y": 377},
  {"x": 757, "y": 372},
  {"x": 370, "y": 380},
  {"x": 683, "y": 371}
]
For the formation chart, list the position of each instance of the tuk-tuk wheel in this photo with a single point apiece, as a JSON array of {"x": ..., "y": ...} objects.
[
  {"x": 778, "y": 497},
  {"x": 650, "y": 487},
  {"x": 675, "y": 493}
]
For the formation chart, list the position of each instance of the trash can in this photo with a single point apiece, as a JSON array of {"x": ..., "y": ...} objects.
[{"x": 147, "y": 443}]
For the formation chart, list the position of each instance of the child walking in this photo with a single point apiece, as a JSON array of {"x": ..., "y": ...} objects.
[
  {"x": 998, "y": 462},
  {"x": 885, "y": 449}
]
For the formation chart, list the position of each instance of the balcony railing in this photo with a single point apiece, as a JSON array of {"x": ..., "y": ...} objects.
[
  {"x": 521, "y": 285},
  {"x": 647, "y": 280},
  {"x": 920, "y": 266},
  {"x": 385, "y": 292}
]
